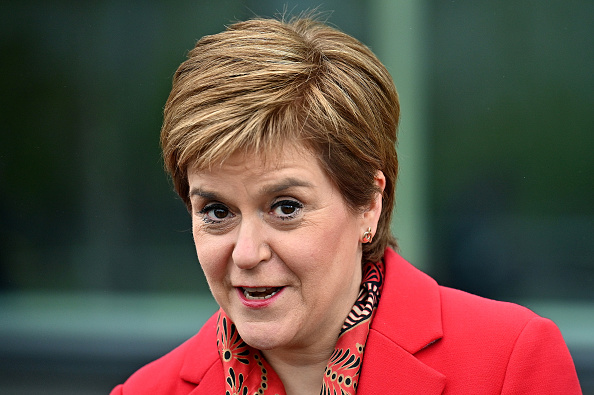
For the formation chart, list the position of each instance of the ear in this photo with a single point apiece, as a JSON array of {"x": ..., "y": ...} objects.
[{"x": 372, "y": 214}]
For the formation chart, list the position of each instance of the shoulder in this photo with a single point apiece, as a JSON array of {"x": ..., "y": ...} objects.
[
  {"x": 477, "y": 343},
  {"x": 484, "y": 328},
  {"x": 180, "y": 370},
  {"x": 503, "y": 343},
  {"x": 466, "y": 316},
  {"x": 417, "y": 299},
  {"x": 463, "y": 310}
]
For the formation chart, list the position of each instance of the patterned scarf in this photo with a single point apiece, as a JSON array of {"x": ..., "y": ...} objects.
[{"x": 247, "y": 372}]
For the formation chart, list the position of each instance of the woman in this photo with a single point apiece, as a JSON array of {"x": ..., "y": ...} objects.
[{"x": 280, "y": 138}]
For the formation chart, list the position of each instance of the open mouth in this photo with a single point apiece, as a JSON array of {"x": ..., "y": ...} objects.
[{"x": 260, "y": 293}]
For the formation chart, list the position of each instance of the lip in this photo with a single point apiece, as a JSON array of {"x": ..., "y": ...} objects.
[{"x": 258, "y": 303}]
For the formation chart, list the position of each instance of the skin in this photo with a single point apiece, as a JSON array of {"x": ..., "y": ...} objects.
[{"x": 281, "y": 223}]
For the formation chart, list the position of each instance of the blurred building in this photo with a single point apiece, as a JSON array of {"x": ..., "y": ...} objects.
[{"x": 98, "y": 274}]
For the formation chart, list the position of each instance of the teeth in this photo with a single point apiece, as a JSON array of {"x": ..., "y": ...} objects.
[
  {"x": 260, "y": 293},
  {"x": 258, "y": 289}
]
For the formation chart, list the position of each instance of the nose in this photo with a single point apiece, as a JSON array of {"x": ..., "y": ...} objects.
[{"x": 250, "y": 246}]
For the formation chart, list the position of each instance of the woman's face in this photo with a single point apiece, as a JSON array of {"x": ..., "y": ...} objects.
[{"x": 279, "y": 247}]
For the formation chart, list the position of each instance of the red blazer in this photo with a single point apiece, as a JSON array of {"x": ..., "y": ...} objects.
[{"x": 424, "y": 339}]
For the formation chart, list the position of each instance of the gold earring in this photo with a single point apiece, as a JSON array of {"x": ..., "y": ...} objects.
[{"x": 367, "y": 236}]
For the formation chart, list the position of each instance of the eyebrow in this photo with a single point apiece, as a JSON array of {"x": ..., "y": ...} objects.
[
  {"x": 271, "y": 189},
  {"x": 286, "y": 184},
  {"x": 203, "y": 194}
]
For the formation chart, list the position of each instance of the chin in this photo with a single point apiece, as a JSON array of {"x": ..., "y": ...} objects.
[
  {"x": 263, "y": 337},
  {"x": 262, "y": 344}
]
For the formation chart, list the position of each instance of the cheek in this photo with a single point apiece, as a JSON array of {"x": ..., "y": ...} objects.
[
  {"x": 319, "y": 254},
  {"x": 211, "y": 257}
]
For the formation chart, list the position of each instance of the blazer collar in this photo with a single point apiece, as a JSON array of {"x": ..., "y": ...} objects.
[
  {"x": 202, "y": 364},
  {"x": 409, "y": 312},
  {"x": 407, "y": 320}
]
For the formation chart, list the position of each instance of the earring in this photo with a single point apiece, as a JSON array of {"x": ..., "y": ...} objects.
[{"x": 367, "y": 236}]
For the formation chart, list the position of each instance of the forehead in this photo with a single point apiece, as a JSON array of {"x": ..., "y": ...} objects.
[{"x": 259, "y": 166}]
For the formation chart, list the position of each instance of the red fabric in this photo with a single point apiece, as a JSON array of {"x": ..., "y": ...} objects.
[{"x": 424, "y": 339}]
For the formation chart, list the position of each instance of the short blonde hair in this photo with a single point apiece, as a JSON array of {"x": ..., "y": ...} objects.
[{"x": 265, "y": 82}]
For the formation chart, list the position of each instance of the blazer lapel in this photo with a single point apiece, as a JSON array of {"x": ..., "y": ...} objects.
[
  {"x": 202, "y": 365},
  {"x": 213, "y": 381},
  {"x": 407, "y": 320},
  {"x": 389, "y": 369}
]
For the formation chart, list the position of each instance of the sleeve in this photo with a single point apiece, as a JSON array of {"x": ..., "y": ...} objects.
[
  {"x": 119, "y": 390},
  {"x": 540, "y": 362}
]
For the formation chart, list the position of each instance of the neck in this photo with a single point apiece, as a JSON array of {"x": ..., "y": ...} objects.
[
  {"x": 301, "y": 367},
  {"x": 301, "y": 372}
]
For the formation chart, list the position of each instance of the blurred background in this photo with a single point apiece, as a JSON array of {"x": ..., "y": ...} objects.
[{"x": 98, "y": 274}]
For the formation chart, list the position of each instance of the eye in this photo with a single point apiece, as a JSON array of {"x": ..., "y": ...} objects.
[
  {"x": 215, "y": 213},
  {"x": 286, "y": 209}
]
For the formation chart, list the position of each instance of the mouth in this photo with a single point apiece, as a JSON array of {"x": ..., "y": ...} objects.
[{"x": 259, "y": 293}]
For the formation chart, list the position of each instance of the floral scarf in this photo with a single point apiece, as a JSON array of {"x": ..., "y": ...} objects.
[{"x": 247, "y": 372}]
